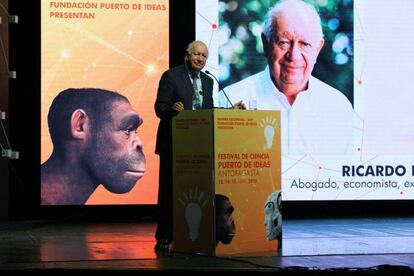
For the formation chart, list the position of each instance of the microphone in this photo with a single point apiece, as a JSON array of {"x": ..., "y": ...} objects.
[{"x": 220, "y": 89}]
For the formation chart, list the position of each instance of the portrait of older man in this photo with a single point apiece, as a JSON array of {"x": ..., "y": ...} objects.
[{"x": 315, "y": 117}]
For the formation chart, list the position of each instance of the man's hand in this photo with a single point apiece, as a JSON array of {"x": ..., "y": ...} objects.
[
  {"x": 239, "y": 105},
  {"x": 178, "y": 106}
]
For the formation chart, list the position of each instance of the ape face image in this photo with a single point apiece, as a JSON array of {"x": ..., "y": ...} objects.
[
  {"x": 273, "y": 215},
  {"x": 225, "y": 226}
]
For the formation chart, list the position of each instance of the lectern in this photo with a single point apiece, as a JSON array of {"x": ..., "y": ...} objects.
[{"x": 235, "y": 154}]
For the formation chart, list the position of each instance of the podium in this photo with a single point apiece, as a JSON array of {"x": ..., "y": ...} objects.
[{"x": 225, "y": 154}]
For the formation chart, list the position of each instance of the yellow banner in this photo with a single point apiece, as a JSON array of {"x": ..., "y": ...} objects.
[
  {"x": 247, "y": 171},
  {"x": 227, "y": 182}
]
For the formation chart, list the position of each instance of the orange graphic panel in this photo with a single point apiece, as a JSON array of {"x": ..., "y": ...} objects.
[{"x": 111, "y": 45}]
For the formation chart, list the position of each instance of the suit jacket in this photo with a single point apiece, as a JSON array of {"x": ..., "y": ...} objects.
[{"x": 175, "y": 86}]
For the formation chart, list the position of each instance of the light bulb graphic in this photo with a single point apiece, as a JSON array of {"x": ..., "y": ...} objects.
[
  {"x": 269, "y": 125},
  {"x": 194, "y": 203},
  {"x": 269, "y": 133},
  {"x": 193, "y": 218}
]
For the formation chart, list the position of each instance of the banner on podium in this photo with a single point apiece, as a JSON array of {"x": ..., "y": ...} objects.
[{"x": 227, "y": 182}]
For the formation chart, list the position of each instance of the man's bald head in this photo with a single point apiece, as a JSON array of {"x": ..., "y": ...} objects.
[{"x": 292, "y": 9}]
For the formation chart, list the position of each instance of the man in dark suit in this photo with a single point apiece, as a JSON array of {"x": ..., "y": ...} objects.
[{"x": 181, "y": 87}]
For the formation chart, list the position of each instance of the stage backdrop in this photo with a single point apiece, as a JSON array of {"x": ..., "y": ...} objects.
[
  {"x": 368, "y": 57},
  {"x": 118, "y": 45}
]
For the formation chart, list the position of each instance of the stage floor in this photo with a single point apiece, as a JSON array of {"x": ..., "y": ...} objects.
[{"x": 360, "y": 244}]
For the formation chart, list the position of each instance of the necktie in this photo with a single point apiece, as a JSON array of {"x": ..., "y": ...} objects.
[{"x": 197, "y": 99}]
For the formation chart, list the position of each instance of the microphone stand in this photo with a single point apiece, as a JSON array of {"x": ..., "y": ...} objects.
[{"x": 220, "y": 89}]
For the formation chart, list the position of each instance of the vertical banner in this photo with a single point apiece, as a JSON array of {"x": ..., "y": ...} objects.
[
  {"x": 193, "y": 182},
  {"x": 247, "y": 172},
  {"x": 117, "y": 45}
]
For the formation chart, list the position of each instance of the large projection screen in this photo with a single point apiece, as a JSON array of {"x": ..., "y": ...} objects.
[
  {"x": 368, "y": 56},
  {"x": 122, "y": 46}
]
